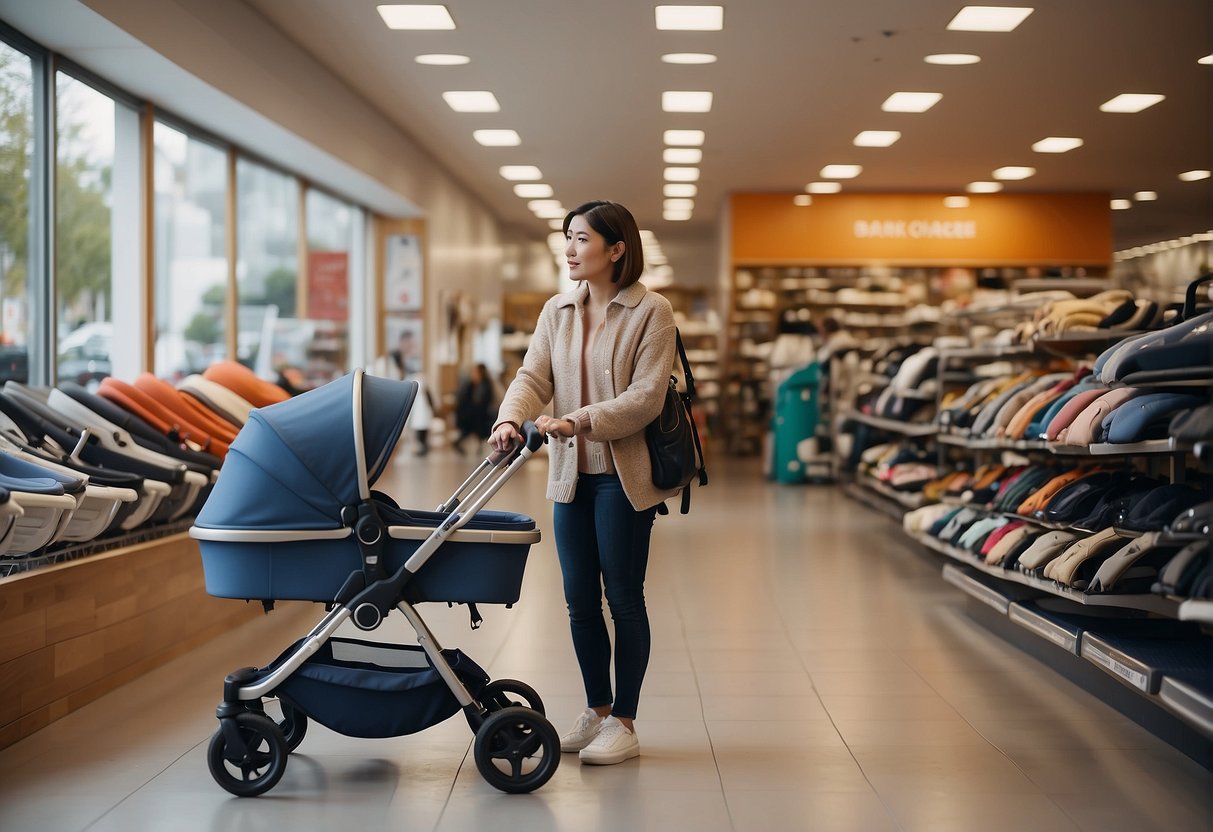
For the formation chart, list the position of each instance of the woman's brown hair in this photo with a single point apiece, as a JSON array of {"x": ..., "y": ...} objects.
[{"x": 616, "y": 224}]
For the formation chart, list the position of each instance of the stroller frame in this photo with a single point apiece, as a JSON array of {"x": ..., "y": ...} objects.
[{"x": 516, "y": 749}]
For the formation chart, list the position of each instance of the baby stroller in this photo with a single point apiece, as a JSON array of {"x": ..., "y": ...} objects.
[{"x": 293, "y": 517}]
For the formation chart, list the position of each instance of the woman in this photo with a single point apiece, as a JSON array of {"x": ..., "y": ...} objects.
[{"x": 601, "y": 354}]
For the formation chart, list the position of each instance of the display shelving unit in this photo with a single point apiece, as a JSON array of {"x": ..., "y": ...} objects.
[{"x": 1153, "y": 657}]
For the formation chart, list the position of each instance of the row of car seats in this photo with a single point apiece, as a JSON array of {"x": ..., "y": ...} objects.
[
  {"x": 1089, "y": 528},
  {"x": 77, "y": 466}
]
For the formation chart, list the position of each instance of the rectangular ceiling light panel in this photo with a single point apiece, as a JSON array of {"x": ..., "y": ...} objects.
[
  {"x": 520, "y": 173},
  {"x": 684, "y": 138},
  {"x": 1057, "y": 144},
  {"x": 682, "y": 156},
  {"x": 1130, "y": 102},
  {"x": 497, "y": 138},
  {"x": 989, "y": 18},
  {"x": 411, "y": 16},
  {"x": 911, "y": 102},
  {"x": 684, "y": 101},
  {"x": 471, "y": 101},
  {"x": 690, "y": 18},
  {"x": 877, "y": 138}
]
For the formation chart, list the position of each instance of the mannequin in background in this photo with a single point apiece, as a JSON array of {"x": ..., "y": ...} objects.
[{"x": 404, "y": 363}]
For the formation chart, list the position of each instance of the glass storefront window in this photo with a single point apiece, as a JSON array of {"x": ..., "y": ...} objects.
[
  {"x": 326, "y": 316},
  {"x": 191, "y": 253},
  {"x": 267, "y": 269},
  {"x": 16, "y": 163},
  {"x": 85, "y": 155}
]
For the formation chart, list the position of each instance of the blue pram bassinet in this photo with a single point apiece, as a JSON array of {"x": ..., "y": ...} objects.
[{"x": 293, "y": 517}]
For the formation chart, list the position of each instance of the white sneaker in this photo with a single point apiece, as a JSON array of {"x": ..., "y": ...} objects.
[
  {"x": 614, "y": 744},
  {"x": 582, "y": 732}
]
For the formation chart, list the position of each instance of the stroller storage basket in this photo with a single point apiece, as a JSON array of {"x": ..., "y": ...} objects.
[
  {"x": 372, "y": 689},
  {"x": 482, "y": 563}
]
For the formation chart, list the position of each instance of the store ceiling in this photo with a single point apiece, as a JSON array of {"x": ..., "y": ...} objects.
[{"x": 795, "y": 81}]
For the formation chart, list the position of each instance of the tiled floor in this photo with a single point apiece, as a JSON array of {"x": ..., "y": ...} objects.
[{"x": 809, "y": 671}]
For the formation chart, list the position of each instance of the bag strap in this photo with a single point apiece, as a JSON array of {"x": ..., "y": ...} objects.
[{"x": 687, "y": 397}]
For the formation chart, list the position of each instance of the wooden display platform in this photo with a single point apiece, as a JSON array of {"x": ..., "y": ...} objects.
[{"x": 75, "y": 631}]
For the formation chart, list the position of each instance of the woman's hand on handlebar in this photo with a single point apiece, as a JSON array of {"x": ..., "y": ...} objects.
[
  {"x": 555, "y": 427},
  {"x": 504, "y": 437}
]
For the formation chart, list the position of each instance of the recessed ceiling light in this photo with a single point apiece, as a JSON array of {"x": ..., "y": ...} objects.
[
  {"x": 1194, "y": 175},
  {"x": 443, "y": 60},
  {"x": 1014, "y": 172},
  {"x": 497, "y": 138},
  {"x": 520, "y": 173},
  {"x": 416, "y": 17},
  {"x": 686, "y": 138},
  {"x": 803, "y": 200},
  {"x": 546, "y": 209},
  {"x": 678, "y": 204},
  {"x": 910, "y": 102},
  {"x": 1146, "y": 196},
  {"x": 689, "y": 58},
  {"x": 680, "y": 189},
  {"x": 841, "y": 171},
  {"x": 1130, "y": 102},
  {"x": 1207, "y": 60},
  {"x": 876, "y": 138},
  {"x": 823, "y": 187},
  {"x": 556, "y": 223},
  {"x": 682, "y": 174},
  {"x": 952, "y": 59},
  {"x": 676, "y": 216},
  {"x": 682, "y": 101},
  {"x": 955, "y": 202},
  {"x": 989, "y": 18},
  {"x": 690, "y": 18},
  {"x": 472, "y": 101},
  {"x": 533, "y": 190},
  {"x": 983, "y": 187},
  {"x": 1057, "y": 144},
  {"x": 1121, "y": 205},
  {"x": 682, "y": 156}
]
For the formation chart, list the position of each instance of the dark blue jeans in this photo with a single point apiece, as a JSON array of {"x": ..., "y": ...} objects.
[{"x": 603, "y": 542}]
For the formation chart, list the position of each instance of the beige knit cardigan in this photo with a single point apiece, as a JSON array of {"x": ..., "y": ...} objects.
[{"x": 635, "y": 351}]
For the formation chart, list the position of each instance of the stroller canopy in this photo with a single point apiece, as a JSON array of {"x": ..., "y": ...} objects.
[{"x": 295, "y": 464}]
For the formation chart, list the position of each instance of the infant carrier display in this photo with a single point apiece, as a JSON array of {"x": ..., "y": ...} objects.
[{"x": 293, "y": 517}]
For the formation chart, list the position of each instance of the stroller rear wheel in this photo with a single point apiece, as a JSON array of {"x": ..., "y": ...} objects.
[
  {"x": 504, "y": 693},
  {"x": 253, "y": 760},
  {"x": 517, "y": 750}
]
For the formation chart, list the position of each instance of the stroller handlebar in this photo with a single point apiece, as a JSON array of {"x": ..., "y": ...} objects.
[{"x": 532, "y": 438}]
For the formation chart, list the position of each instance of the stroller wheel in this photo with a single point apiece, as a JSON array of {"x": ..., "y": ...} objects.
[
  {"x": 248, "y": 755},
  {"x": 503, "y": 693},
  {"x": 517, "y": 750}
]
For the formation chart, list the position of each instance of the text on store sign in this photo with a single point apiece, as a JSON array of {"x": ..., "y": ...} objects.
[{"x": 916, "y": 229}]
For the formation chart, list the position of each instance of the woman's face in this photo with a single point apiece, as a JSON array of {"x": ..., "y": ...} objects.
[{"x": 587, "y": 253}]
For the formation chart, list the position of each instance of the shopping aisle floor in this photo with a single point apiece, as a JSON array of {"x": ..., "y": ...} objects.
[{"x": 809, "y": 672}]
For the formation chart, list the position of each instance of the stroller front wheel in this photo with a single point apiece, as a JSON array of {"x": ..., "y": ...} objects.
[
  {"x": 517, "y": 750},
  {"x": 247, "y": 755}
]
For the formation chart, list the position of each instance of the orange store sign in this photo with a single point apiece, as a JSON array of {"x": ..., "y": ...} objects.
[{"x": 918, "y": 229}]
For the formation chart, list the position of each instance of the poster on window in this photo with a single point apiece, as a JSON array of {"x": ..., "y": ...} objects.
[
  {"x": 402, "y": 273},
  {"x": 328, "y": 294}
]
